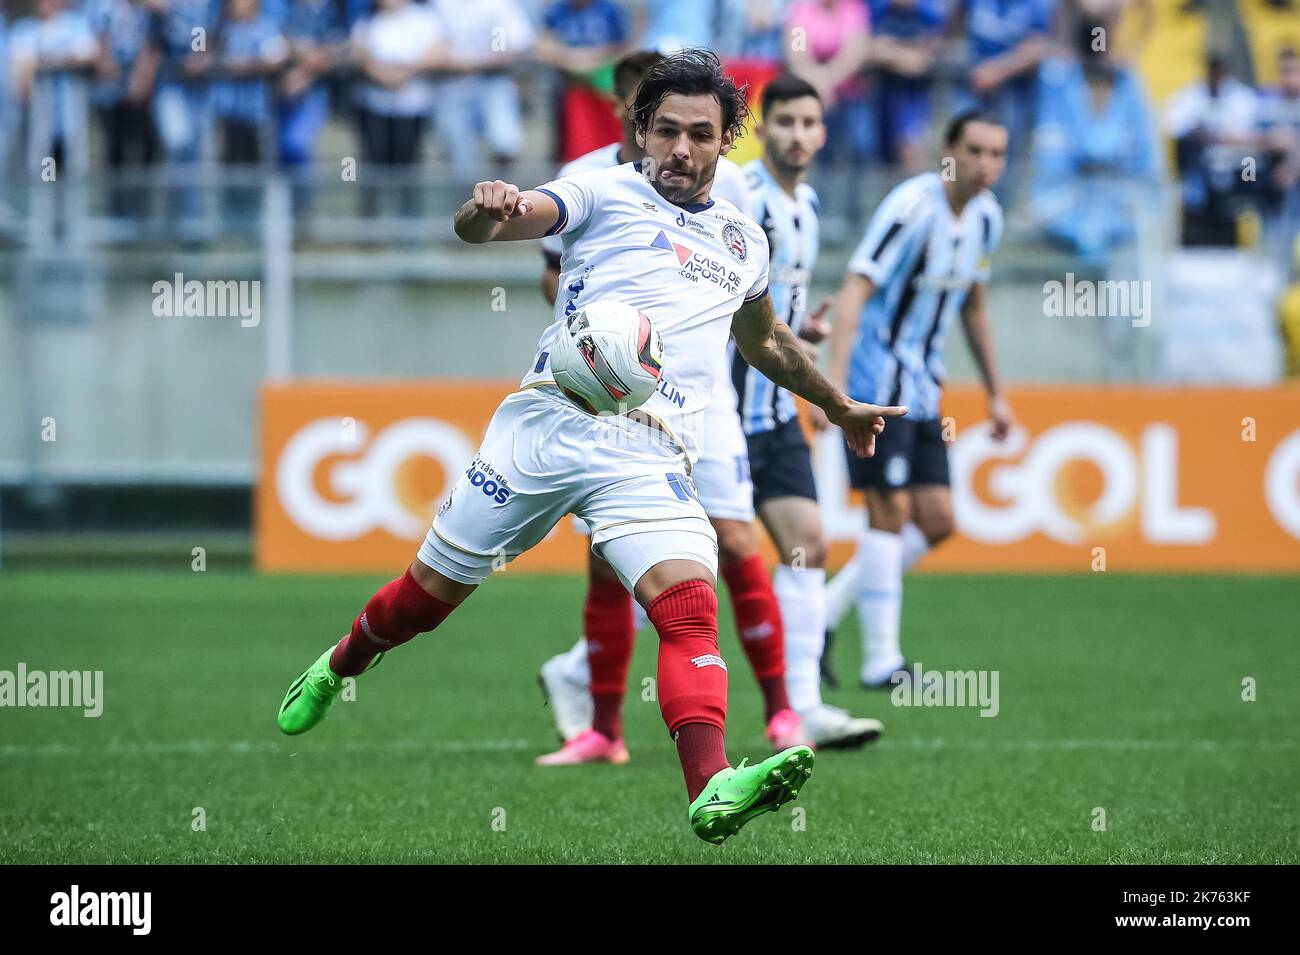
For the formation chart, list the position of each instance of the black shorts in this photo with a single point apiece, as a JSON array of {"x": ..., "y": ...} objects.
[
  {"x": 908, "y": 454},
  {"x": 780, "y": 463}
]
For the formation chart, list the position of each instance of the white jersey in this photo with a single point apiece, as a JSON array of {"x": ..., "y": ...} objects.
[
  {"x": 728, "y": 183},
  {"x": 687, "y": 267},
  {"x": 791, "y": 227}
]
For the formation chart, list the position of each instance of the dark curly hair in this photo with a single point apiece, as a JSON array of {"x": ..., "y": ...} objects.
[{"x": 691, "y": 73}]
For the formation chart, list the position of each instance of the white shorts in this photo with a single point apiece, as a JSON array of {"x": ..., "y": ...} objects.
[
  {"x": 543, "y": 458},
  {"x": 722, "y": 472}
]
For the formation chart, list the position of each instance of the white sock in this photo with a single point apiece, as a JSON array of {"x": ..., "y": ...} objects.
[
  {"x": 880, "y": 602},
  {"x": 915, "y": 545},
  {"x": 840, "y": 591},
  {"x": 843, "y": 587},
  {"x": 576, "y": 667},
  {"x": 640, "y": 618},
  {"x": 802, "y": 596}
]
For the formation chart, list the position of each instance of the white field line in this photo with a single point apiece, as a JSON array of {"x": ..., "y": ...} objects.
[
  {"x": 205, "y": 747},
  {"x": 200, "y": 747},
  {"x": 1107, "y": 745}
]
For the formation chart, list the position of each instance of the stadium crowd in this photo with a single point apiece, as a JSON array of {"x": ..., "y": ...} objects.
[{"x": 245, "y": 82}]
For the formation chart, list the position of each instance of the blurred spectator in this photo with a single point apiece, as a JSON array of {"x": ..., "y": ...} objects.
[
  {"x": 122, "y": 27},
  {"x": 1007, "y": 39},
  {"x": 395, "y": 51},
  {"x": 905, "y": 38},
  {"x": 1279, "y": 110},
  {"x": 354, "y": 11},
  {"x": 828, "y": 41},
  {"x": 480, "y": 100},
  {"x": 579, "y": 36},
  {"x": 315, "y": 32},
  {"x": 1214, "y": 125},
  {"x": 1289, "y": 315},
  {"x": 752, "y": 30},
  {"x": 6, "y": 99},
  {"x": 1266, "y": 25},
  {"x": 53, "y": 54},
  {"x": 1094, "y": 147},
  {"x": 1126, "y": 25},
  {"x": 674, "y": 25},
  {"x": 582, "y": 38},
  {"x": 251, "y": 50},
  {"x": 1279, "y": 175},
  {"x": 181, "y": 32},
  {"x": 174, "y": 65}
]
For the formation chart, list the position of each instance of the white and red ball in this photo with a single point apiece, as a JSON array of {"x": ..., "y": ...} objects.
[{"x": 607, "y": 357}]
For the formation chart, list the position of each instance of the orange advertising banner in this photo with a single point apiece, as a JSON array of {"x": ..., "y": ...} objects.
[
  {"x": 1092, "y": 478},
  {"x": 352, "y": 473}
]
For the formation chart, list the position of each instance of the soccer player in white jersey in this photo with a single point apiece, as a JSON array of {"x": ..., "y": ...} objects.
[
  {"x": 780, "y": 461},
  {"x": 650, "y": 235},
  {"x": 587, "y": 684},
  {"x": 923, "y": 260}
]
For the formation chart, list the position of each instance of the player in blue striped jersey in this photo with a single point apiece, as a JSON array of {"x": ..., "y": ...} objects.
[
  {"x": 789, "y": 219},
  {"x": 785, "y": 494},
  {"x": 923, "y": 261}
]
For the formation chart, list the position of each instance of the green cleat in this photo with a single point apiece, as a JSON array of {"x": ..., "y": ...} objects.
[
  {"x": 735, "y": 796},
  {"x": 311, "y": 695}
]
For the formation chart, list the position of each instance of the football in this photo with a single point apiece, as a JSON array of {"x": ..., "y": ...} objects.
[{"x": 607, "y": 357}]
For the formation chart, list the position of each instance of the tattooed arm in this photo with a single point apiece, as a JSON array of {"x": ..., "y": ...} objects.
[{"x": 773, "y": 349}]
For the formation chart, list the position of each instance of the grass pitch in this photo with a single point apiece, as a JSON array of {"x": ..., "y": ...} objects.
[{"x": 1116, "y": 693}]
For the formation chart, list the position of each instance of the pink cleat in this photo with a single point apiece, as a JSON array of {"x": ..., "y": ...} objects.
[
  {"x": 589, "y": 746},
  {"x": 784, "y": 730}
]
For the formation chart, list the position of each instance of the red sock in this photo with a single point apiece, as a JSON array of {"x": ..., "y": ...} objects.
[
  {"x": 607, "y": 625},
  {"x": 692, "y": 678},
  {"x": 703, "y": 752},
  {"x": 607, "y": 714},
  {"x": 758, "y": 618},
  {"x": 397, "y": 612}
]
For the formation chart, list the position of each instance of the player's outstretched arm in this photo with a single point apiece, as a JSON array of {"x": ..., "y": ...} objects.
[
  {"x": 499, "y": 212},
  {"x": 773, "y": 349}
]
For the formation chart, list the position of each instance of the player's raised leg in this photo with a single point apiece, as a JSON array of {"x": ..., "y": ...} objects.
[
  {"x": 493, "y": 509},
  {"x": 414, "y": 603}
]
